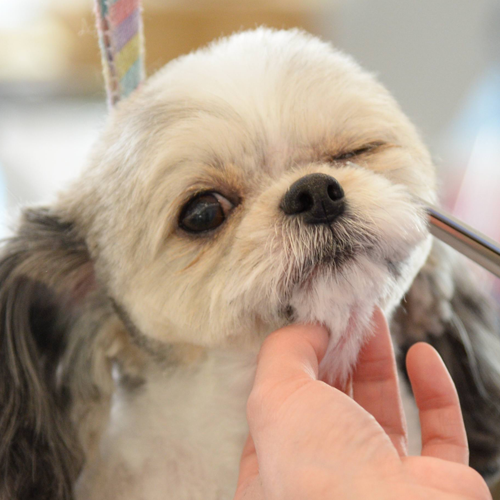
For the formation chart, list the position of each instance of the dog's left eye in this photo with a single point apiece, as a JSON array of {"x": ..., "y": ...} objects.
[
  {"x": 204, "y": 212},
  {"x": 356, "y": 152}
]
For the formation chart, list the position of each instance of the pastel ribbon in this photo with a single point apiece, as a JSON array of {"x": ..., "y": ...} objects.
[{"x": 119, "y": 24}]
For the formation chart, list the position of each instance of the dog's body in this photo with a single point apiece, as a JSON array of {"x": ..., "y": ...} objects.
[
  {"x": 262, "y": 181},
  {"x": 181, "y": 438}
]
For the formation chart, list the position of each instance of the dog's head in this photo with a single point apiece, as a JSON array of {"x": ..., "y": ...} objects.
[{"x": 263, "y": 180}]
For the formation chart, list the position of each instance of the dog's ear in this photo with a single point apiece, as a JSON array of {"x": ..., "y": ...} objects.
[
  {"x": 45, "y": 271},
  {"x": 447, "y": 308}
]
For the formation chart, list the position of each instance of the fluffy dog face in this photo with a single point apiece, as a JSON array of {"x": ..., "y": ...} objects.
[{"x": 206, "y": 154}]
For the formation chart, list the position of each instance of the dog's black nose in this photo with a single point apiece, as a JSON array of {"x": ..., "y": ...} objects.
[{"x": 318, "y": 198}]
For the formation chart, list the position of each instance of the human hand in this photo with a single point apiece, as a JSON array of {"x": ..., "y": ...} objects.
[{"x": 310, "y": 441}]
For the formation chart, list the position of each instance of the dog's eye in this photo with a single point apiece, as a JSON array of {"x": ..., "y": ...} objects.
[
  {"x": 356, "y": 152},
  {"x": 204, "y": 212}
]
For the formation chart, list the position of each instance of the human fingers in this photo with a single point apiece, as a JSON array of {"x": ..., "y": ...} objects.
[
  {"x": 443, "y": 430},
  {"x": 375, "y": 384}
]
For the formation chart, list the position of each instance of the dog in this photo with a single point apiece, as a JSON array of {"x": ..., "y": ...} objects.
[{"x": 261, "y": 181}]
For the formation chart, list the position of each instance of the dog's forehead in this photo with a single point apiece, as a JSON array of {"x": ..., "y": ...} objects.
[{"x": 266, "y": 92}]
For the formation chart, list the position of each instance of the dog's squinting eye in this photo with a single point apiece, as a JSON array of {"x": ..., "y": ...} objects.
[
  {"x": 204, "y": 212},
  {"x": 356, "y": 152}
]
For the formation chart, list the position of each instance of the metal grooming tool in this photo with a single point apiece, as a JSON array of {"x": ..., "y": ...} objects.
[{"x": 466, "y": 240}]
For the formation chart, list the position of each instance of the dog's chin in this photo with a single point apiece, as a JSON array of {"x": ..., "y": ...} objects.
[{"x": 342, "y": 298}]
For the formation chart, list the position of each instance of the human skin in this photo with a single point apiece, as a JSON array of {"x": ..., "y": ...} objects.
[{"x": 311, "y": 441}]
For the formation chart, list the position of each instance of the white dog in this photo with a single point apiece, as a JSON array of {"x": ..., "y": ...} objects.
[{"x": 261, "y": 181}]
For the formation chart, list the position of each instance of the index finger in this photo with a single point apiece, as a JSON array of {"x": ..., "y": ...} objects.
[{"x": 375, "y": 384}]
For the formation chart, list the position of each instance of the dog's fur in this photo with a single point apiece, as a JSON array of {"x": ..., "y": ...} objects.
[{"x": 128, "y": 345}]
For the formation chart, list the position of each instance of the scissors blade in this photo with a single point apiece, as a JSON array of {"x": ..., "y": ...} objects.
[{"x": 466, "y": 240}]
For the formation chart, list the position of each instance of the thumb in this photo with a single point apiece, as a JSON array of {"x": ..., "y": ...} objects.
[
  {"x": 287, "y": 356},
  {"x": 288, "y": 359},
  {"x": 291, "y": 353}
]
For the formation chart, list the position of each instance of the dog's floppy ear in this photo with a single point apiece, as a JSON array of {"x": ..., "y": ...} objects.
[
  {"x": 44, "y": 271},
  {"x": 447, "y": 308}
]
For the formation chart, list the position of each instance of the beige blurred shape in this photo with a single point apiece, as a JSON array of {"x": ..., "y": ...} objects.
[{"x": 61, "y": 44}]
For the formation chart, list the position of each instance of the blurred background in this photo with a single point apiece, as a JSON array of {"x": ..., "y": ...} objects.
[{"x": 440, "y": 59}]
